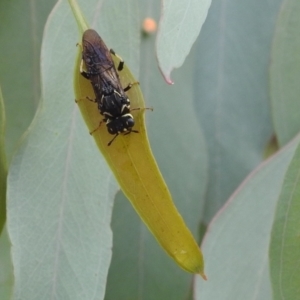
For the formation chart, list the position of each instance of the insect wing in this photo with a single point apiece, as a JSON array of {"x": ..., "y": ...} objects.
[
  {"x": 95, "y": 53},
  {"x": 112, "y": 101},
  {"x": 98, "y": 61}
]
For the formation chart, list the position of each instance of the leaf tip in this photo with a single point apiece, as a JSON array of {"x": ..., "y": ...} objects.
[
  {"x": 170, "y": 82},
  {"x": 165, "y": 73},
  {"x": 167, "y": 77},
  {"x": 203, "y": 276}
]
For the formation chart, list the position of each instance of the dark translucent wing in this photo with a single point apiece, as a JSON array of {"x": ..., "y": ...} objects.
[{"x": 98, "y": 61}]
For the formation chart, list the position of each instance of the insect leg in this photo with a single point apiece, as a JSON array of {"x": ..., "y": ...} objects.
[
  {"x": 132, "y": 130},
  {"x": 120, "y": 68},
  {"x": 91, "y": 133},
  {"x": 86, "y": 98},
  {"x": 135, "y": 131},
  {"x": 112, "y": 139},
  {"x": 121, "y": 63},
  {"x": 82, "y": 72},
  {"x": 129, "y": 86}
]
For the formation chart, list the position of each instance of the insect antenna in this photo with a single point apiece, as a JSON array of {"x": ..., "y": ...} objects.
[{"x": 142, "y": 108}]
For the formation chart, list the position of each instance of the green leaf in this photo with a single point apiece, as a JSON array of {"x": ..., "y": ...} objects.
[
  {"x": 237, "y": 241},
  {"x": 6, "y": 271},
  {"x": 22, "y": 24},
  {"x": 285, "y": 241},
  {"x": 6, "y": 268},
  {"x": 231, "y": 92},
  {"x": 285, "y": 72},
  {"x": 179, "y": 26},
  {"x": 60, "y": 189},
  {"x": 3, "y": 164}
]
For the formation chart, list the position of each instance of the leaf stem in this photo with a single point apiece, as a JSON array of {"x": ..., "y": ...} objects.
[{"x": 81, "y": 22}]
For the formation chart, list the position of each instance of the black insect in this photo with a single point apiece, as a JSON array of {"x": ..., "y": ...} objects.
[{"x": 111, "y": 98}]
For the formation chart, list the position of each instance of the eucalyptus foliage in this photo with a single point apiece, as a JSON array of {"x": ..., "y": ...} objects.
[{"x": 70, "y": 233}]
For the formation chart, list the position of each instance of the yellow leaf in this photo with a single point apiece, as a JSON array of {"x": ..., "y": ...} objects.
[{"x": 132, "y": 162}]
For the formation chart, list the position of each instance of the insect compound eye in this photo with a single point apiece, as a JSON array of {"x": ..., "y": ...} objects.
[{"x": 129, "y": 122}]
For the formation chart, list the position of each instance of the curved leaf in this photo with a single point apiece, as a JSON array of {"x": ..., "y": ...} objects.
[
  {"x": 180, "y": 150},
  {"x": 179, "y": 26},
  {"x": 237, "y": 241},
  {"x": 285, "y": 241},
  {"x": 60, "y": 190},
  {"x": 285, "y": 72},
  {"x": 134, "y": 166}
]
